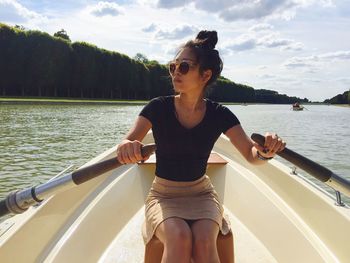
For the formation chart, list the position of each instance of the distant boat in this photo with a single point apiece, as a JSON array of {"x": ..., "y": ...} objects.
[{"x": 297, "y": 107}]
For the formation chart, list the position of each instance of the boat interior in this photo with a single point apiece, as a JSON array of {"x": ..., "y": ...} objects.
[{"x": 275, "y": 216}]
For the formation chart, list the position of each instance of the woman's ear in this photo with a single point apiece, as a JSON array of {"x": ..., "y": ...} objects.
[{"x": 207, "y": 75}]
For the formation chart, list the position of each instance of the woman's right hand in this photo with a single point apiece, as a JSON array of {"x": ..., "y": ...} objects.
[{"x": 130, "y": 152}]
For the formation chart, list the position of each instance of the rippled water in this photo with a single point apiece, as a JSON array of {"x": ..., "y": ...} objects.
[{"x": 39, "y": 140}]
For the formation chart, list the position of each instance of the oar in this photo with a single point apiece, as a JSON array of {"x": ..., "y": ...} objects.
[
  {"x": 19, "y": 201},
  {"x": 316, "y": 170}
]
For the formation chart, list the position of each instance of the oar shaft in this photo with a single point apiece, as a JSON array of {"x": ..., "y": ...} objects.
[
  {"x": 19, "y": 201},
  {"x": 316, "y": 170}
]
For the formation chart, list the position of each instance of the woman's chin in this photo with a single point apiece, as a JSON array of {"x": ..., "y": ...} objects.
[{"x": 178, "y": 87}]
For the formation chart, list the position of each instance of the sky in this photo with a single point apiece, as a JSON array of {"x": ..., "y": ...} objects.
[{"x": 295, "y": 47}]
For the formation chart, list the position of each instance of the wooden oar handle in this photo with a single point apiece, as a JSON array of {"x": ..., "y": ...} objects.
[
  {"x": 316, "y": 170},
  {"x": 3, "y": 208},
  {"x": 85, "y": 174},
  {"x": 19, "y": 201}
]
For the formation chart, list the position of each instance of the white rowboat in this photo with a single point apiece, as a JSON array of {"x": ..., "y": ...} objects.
[{"x": 276, "y": 216}]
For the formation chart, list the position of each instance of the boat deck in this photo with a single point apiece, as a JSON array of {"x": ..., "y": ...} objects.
[{"x": 128, "y": 245}]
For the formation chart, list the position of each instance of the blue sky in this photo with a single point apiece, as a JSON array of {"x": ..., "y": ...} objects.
[{"x": 296, "y": 47}]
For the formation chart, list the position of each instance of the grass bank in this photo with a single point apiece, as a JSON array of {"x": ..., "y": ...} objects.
[
  {"x": 342, "y": 105},
  {"x": 68, "y": 101}
]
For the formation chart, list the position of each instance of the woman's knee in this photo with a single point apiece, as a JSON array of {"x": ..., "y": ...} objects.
[
  {"x": 204, "y": 242},
  {"x": 205, "y": 233},
  {"x": 175, "y": 232},
  {"x": 180, "y": 235}
]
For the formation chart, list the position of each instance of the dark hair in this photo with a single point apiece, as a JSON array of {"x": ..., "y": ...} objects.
[{"x": 203, "y": 47}]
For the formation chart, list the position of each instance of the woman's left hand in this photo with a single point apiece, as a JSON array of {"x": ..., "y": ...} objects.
[{"x": 273, "y": 144}]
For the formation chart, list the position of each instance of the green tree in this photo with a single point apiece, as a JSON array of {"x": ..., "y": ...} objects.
[
  {"x": 141, "y": 58},
  {"x": 33, "y": 63},
  {"x": 62, "y": 34},
  {"x": 20, "y": 27}
]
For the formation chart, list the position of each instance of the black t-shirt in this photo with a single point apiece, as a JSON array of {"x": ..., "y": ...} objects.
[{"x": 182, "y": 153}]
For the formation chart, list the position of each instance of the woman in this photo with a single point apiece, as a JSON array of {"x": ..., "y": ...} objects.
[{"x": 182, "y": 208}]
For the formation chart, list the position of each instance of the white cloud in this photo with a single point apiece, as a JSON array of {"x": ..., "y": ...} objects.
[
  {"x": 150, "y": 28},
  {"x": 171, "y": 3},
  {"x": 345, "y": 81},
  {"x": 259, "y": 9},
  {"x": 341, "y": 55},
  {"x": 13, "y": 12},
  {"x": 296, "y": 62},
  {"x": 315, "y": 61},
  {"x": 231, "y": 10},
  {"x": 266, "y": 76},
  {"x": 261, "y": 27},
  {"x": 241, "y": 43},
  {"x": 178, "y": 32},
  {"x": 273, "y": 40},
  {"x": 105, "y": 9},
  {"x": 255, "y": 40}
]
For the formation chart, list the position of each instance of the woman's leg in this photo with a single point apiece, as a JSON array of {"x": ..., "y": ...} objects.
[
  {"x": 205, "y": 233},
  {"x": 176, "y": 236}
]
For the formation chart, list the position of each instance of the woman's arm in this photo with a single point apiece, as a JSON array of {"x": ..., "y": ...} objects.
[
  {"x": 129, "y": 150},
  {"x": 249, "y": 149}
]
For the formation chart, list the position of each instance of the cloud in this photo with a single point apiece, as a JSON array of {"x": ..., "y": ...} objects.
[
  {"x": 178, "y": 32},
  {"x": 273, "y": 40},
  {"x": 343, "y": 81},
  {"x": 105, "y": 9},
  {"x": 340, "y": 55},
  {"x": 261, "y": 27},
  {"x": 242, "y": 43},
  {"x": 315, "y": 60},
  {"x": 259, "y": 9},
  {"x": 266, "y": 76},
  {"x": 150, "y": 28},
  {"x": 12, "y": 11},
  {"x": 252, "y": 40},
  {"x": 232, "y": 10},
  {"x": 296, "y": 62},
  {"x": 171, "y": 3}
]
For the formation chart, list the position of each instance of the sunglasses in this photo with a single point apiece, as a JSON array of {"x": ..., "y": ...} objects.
[{"x": 183, "y": 67}]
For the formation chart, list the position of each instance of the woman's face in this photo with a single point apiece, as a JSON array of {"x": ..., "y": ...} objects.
[{"x": 192, "y": 81}]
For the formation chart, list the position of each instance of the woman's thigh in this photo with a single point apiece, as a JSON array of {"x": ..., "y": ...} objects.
[
  {"x": 172, "y": 229},
  {"x": 205, "y": 230}
]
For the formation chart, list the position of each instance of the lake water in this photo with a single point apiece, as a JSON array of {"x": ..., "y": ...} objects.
[{"x": 37, "y": 141}]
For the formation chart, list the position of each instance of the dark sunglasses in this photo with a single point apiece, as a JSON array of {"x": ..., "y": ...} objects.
[{"x": 183, "y": 67}]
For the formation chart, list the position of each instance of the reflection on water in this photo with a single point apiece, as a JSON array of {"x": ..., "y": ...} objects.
[{"x": 38, "y": 141}]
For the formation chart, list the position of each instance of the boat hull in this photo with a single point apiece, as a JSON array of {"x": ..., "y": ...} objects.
[{"x": 275, "y": 216}]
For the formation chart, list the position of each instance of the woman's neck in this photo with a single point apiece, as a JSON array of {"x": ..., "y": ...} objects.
[{"x": 191, "y": 103}]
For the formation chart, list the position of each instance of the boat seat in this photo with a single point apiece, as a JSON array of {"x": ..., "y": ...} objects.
[
  {"x": 154, "y": 249},
  {"x": 214, "y": 159}
]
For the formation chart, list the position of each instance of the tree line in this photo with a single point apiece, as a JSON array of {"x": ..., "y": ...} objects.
[
  {"x": 340, "y": 98},
  {"x": 36, "y": 64}
]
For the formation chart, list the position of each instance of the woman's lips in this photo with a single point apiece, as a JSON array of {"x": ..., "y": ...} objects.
[{"x": 177, "y": 80}]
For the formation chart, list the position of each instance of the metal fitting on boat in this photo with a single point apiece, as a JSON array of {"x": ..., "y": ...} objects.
[{"x": 12, "y": 205}]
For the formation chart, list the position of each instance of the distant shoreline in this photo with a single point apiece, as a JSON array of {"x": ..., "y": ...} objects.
[
  {"x": 35, "y": 100},
  {"x": 342, "y": 105}
]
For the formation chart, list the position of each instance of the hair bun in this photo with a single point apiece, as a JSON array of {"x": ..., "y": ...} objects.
[{"x": 207, "y": 39}]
